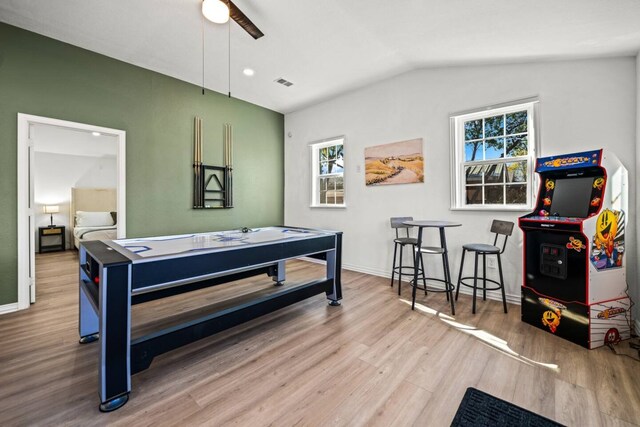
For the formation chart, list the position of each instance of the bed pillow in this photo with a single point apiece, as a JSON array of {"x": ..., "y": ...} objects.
[{"x": 93, "y": 219}]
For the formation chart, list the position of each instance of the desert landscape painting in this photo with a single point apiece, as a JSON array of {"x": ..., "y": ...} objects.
[{"x": 395, "y": 163}]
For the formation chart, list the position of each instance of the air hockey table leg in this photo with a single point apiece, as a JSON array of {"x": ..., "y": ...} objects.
[
  {"x": 115, "y": 337},
  {"x": 278, "y": 273},
  {"x": 88, "y": 322},
  {"x": 334, "y": 265},
  {"x": 88, "y": 316},
  {"x": 115, "y": 403}
]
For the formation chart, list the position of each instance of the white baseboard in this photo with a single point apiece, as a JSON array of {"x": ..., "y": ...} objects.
[
  {"x": 494, "y": 295},
  {"x": 8, "y": 308},
  {"x": 367, "y": 270}
]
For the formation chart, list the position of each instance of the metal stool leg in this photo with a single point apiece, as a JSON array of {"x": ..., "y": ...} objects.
[
  {"x": 449, "y": 285},
  {"x": 444, "y": 271},
  {"x": 424, "y": 274},
  {"x": 400, "y": 270},
  {"x": 464, "y": 251},
  {"x": 416, "y": 260},
  {"x": 475, "y": 284},
  {"x": 484, "y": 277},
  {"x": 393, "y": 269},
  {"x": 447, "y": 271},
  {"x": 504, "y": 298}
]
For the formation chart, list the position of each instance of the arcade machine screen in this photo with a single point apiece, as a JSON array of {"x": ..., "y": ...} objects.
[{"x": 571, "y": 197}]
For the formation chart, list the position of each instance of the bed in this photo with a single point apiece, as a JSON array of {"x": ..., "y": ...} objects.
[{"x": 93, "y": 214}]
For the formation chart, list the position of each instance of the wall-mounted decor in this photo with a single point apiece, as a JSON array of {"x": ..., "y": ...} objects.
[
  {"x": 395, "y": 163},
  {"x": 212, "y": 185}
]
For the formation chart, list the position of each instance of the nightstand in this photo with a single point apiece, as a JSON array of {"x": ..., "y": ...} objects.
[{"x": 53, "y": 238}]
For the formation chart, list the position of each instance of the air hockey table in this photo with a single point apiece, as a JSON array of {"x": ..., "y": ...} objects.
[{"x": 116, "y": 274}]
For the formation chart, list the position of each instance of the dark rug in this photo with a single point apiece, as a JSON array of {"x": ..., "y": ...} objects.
[{"x": 481, "y": 409}]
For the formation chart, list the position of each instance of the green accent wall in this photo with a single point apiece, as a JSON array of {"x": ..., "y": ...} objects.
[{"x": 45, "y": 77}]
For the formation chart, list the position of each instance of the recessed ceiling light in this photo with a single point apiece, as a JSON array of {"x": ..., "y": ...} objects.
[
  {"x": 96, "y": 133},
  {"x": 248, "y": 72}
]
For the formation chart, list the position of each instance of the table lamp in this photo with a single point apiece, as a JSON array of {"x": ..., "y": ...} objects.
[{"x": 51, "y": 209}]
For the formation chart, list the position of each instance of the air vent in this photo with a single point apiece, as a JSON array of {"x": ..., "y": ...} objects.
[{"x": 282, "y": 81}]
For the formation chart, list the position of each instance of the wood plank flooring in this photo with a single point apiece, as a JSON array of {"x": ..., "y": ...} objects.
[{"x": 371, "y": 361}]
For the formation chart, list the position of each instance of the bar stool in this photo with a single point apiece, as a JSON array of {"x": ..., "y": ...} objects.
[
  {"x": 500, "y": 228},
  {"x": 436, "y": 250},
  {"x": 397, "y": 223}
]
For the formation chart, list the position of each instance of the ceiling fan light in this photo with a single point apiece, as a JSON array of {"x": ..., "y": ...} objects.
[{"x": 215, "y": 11}]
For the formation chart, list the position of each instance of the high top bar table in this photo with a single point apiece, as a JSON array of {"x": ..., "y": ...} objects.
[{"x": 442, "y": 250}]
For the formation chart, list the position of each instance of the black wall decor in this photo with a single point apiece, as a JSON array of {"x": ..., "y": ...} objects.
[{"x": 212, "y": 185}]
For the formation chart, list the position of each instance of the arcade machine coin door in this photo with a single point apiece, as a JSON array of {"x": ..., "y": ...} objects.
[
  {"x": 553, "y": 261},
  {"x": 574, "y": 281}
]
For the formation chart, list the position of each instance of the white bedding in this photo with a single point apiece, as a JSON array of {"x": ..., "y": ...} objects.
[{"x": 94, "y": 233}]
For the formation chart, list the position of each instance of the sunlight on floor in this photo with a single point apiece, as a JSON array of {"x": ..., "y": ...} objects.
[{"x": 484, "y": 336}]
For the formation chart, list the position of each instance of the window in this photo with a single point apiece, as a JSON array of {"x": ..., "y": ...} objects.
[
  {"x": 494, "y": 154},
  {"x": 327, "y": 165}
]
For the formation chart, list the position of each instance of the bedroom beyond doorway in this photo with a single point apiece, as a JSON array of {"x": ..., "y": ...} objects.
[{"x": 71, "y": 188}]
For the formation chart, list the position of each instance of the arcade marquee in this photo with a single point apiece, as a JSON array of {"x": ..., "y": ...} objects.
[{"x": 574, "y": 282}]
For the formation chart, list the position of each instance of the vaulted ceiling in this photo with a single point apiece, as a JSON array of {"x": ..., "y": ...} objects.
[{"x": 328, "y": 47}]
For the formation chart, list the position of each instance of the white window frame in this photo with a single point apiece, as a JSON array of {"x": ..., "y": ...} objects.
[
  {"x": 315, "y": 148},
  {"x": 458, "y": 185}
]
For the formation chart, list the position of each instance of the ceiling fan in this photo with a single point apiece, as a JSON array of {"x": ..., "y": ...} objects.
[{"x": 219, "y": 11}]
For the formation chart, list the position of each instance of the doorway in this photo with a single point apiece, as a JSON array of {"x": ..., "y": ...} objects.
[{"x": 58, "y": 153}]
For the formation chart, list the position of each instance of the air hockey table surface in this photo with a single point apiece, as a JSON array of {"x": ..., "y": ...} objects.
[{"x": 138, "y": 249}]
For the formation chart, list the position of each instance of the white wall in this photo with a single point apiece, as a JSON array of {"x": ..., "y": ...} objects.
[
  {"x": 583, "y": 105},
  {"x": 56, "y": 174}
]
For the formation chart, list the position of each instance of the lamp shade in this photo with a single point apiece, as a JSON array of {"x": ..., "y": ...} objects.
[
  {"x": 215, "y": 11},
  {"x": 51, "y": 209}
]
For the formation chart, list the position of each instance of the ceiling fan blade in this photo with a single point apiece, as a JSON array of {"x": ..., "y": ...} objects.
[{"x": 242, "y": 20}]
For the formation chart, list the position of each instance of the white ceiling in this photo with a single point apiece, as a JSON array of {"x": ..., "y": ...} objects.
[
  {"x": 326, "y": 47},
  {"x": 60, "y": 140}
]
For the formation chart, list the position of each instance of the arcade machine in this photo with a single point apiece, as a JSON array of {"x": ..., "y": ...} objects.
[{"x": 574, "y": 283}]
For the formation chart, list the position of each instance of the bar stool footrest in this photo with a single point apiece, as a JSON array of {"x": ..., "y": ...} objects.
[
  {"x": 479, "y": 286},
  {"x": 396, "y": 270},
  {"x": 448, "y": 287}
]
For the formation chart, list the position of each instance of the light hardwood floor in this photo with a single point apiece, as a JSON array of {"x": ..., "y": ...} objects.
[{"x": 371, "y": 361}]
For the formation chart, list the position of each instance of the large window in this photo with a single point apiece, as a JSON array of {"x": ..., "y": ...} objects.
[
  {"x": 494, "y": 152},
  {"x": 327, "y": 165}
]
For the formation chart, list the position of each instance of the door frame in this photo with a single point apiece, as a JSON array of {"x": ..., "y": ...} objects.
[{"x": 26, "y": 222}]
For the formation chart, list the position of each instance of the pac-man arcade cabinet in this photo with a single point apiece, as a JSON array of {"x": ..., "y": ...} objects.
[{"x": 574, "y": 246}]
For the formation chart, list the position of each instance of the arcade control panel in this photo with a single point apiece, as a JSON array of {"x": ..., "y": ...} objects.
[
  {"x": 566, "y": 223},
  {"x": 554, "y": 218}
]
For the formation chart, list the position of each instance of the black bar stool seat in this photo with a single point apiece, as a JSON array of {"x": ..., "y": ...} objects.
[
  {"x": 482, "y": 248},
  {"x": 406, "y": 241}
]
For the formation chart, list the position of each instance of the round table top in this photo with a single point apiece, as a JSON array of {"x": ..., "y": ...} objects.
[{"x": 429, "y": 223}]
